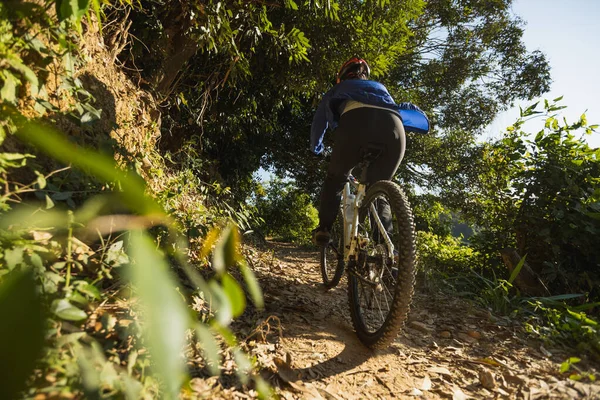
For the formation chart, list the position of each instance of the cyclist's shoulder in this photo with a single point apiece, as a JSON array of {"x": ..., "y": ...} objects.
[
  {"x": 357, "y": 88},
  {"x": 360, "y": 84}
]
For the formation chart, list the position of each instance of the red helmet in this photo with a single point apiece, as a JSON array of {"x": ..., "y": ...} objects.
[{"x": 352, "y": 68}]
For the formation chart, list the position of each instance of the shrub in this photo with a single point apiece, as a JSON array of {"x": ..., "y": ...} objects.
[
  {"x": 445, "y": 254},
  {"x": 288, "y": 212},
  {"x": 552, "y": 196}
]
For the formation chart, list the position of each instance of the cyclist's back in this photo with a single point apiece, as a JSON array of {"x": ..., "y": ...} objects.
[{"x": 364, "y": 114}]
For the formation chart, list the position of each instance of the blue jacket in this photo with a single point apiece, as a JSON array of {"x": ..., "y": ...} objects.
[{"x": 367, "y": 92}]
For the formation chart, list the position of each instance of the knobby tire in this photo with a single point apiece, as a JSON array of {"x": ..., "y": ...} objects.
[
  {"x": 405, "y": 281},
  {"x": 332, "y": 274}
]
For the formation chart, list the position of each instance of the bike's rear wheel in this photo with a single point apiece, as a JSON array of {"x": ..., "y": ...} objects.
[
  {"x": 380, "y": 287},
  {"x": 332, "y": 255}
]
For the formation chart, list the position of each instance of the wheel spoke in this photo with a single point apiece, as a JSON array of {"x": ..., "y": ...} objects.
[
  {"x": 387, "y": 290},
  {"x": 379, "y": 308},
  {"x": 385, "y": 298}
]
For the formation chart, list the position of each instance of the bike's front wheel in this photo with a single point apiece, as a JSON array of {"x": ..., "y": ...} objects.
[
  {"x": 380, "y": 284},
  {"x": 332, "y": 255}
]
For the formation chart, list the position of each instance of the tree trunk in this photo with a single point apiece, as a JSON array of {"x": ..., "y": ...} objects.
[
  {"x": 527, "y": 281},
  {"x": 181, "y": 49}
]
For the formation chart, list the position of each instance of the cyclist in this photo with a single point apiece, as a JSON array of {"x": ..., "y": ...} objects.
[{"x": 363, "y": 113}]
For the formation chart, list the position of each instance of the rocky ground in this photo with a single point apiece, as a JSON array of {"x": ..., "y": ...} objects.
[{"x": 449, "y": 349}]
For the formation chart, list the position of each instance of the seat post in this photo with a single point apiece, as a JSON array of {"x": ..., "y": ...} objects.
[{"x": 370, "y": 154}]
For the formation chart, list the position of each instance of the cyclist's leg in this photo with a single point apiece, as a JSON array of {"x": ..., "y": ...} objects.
[
  {"x": 384, "y": 211},
  {"x": 389, "y": 132},
  {"x": 344, "y": 157},
  {"x": 349, "y": 140}
]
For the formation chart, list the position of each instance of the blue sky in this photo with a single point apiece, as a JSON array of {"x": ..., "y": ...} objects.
[{"x": 568, "y": 32}]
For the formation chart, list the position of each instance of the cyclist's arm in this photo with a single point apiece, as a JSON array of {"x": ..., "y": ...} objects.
[{"x": 319, "y": 126}]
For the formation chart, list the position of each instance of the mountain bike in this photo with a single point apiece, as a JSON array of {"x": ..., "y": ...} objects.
[{"x": 373, "y": 240}]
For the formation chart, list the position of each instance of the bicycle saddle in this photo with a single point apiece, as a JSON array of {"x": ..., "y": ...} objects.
[{"x": 372, "y": 152}]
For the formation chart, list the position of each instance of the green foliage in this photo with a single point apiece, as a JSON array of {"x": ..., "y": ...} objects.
[
  {"x": 468, "y": 59},
  {"x": 535, "y": 192},
  {"x": 287, "y": 211},
  {"x": 552, "y": 319},
  {"x": 41, "y": 55},
  {"x": 559, "y": 187},
  {"x": 570, "y": 364},
  {"x": 21, "y": 331},
  {"x": 198, "y": 205},
  {"x": 545, "y": 194},
  {"x": 243, "y": 78},
  {"x": 94, "y": 163},
  {"x": 446, "y": 255},
  {"x": 13, "y": 71},
  {"x": 164, "y": 313},
  {"x": 70, "y": 275},
  {"x": 431, "y": 215}
]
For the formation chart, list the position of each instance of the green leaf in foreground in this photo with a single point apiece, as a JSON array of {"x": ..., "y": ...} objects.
[
  {"x": 517, "y": 269},
  {"x": 164, "y": 316},
  {"x": 67, "y": 311},
  {"x": 21, "y": 331},
  {"x": 227, "y": 253},
  {"x": 222, "y": 303},
  {"x": 253, "y": 286},
  {"x": 235, "y": 294},
  {"x": 210, "y": 348}
]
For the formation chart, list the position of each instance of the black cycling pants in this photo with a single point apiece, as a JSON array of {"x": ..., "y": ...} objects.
[{"x": 358, "y": 128}]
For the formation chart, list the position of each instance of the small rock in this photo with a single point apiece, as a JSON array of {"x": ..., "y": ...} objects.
[
  {"x": 474, "y": 334},
  {"x": 466, "y": 338},
  {"x": 419, "y": 326},
  {"x": 487, "y": 379},
  {"x": 426, "y": 385},
  {"x": 445, "y": 334},
  {"x": 440, "y": 370},
  {"x": 514, "y": 380},
  {"x": 458, "y": 394}
]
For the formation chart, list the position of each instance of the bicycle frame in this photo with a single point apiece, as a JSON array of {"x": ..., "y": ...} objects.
[{"x": 351, "y": 237}]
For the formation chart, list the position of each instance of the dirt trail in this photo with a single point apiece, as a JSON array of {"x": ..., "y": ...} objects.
[{"x": 449, "y": 348}]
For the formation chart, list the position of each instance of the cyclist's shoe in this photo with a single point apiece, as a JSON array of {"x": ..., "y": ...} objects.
[{"x": 321, "y": 236}]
